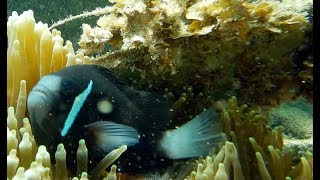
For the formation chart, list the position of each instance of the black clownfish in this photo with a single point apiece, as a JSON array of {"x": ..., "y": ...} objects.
[{"x": 89, "y": 102}]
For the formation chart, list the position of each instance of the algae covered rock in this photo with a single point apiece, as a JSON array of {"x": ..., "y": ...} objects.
[
  {"x": 295, "y": 117},
  {"x": 219, "y": 47}
]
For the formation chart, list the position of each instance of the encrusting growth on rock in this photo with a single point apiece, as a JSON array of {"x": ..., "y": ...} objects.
[{"x": 222, "y": 47}]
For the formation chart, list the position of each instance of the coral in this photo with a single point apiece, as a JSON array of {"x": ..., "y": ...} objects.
[
  {"x": 304, "y": 63},
  {"x": 306, "y": 78},
  {"x": 33, "y": 51},
  {"x": 299, "y": 147},
  {"x": 295, "y": 117},
  {"x": 223, "y": 47}
]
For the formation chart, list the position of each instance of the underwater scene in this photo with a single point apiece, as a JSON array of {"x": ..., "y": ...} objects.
[{"x": 160, "y": 89}]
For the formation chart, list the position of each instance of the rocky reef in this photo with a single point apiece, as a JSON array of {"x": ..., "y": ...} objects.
[
  {"x": 295, "y": 117},
  {"x": 219, "y": 47}
]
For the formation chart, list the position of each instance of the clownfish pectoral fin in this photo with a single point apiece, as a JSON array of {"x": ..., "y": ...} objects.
[
  {"x": 197, "y": 137},
  {"x": 108, "y": 135}
]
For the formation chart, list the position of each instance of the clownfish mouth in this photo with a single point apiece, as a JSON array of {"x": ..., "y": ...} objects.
[
  {"x": 41, "y": 97},
  {"x": 38, "y": 95},
  {"x": 45, "y": 90}
]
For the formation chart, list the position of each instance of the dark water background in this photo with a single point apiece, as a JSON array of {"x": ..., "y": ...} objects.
[{"x": 51, "y": 11}]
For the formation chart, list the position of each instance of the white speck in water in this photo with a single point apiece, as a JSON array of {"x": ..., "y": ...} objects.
[
  {"x": 104, "y": 106},
  {"x": 138, "y": 158}
]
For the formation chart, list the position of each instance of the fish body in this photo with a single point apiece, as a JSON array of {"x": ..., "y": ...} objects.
[{"x": 89, "y": 102}]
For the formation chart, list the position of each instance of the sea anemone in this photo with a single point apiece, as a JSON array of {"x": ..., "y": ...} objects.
[
  {"x": 34, "y": 51},
  {"x": 28, "y": 160}
]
